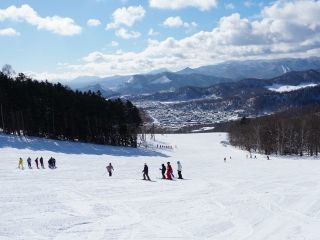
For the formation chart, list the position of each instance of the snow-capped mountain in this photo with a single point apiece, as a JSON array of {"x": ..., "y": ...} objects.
[
  {"x": 189, "y": 106},
  {"x": 263, "y": 69},
  {"x": 165, "y": 81}
]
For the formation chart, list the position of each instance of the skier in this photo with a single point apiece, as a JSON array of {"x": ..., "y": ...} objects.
[
  {"x": 146, "y": 172},
  {"x": 21, "y": 164},
  {"x": 179, "y": 170},
  {"x": 50, "y": 163},
  {"x": 110, "y": 169},
  {"x": 163, "y": 171},
  {"x": 29, "y": 162},
  {"x": 225, "y": 160},
  {"x": 268, "y": 158},
  {"x": 41, "y": 162},
  {"x": 54, "y": 162},
  {"x": 169, "y": 171},
  {"x": 37, "y": 163}
]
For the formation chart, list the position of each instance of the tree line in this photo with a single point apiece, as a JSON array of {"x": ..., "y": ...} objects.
[
  {"x": 294, "y": 132},
  {"x": 43, "y": 109}
]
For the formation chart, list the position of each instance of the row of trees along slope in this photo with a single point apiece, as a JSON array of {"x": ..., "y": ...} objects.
[
  {"x": 43, "y": 109},
  {"x": 294, "y": 132}
]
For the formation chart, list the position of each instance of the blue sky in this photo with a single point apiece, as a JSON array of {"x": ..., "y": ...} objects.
[{"x": 54, "y": 40}]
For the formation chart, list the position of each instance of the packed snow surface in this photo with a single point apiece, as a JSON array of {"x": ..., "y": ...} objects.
[
  {"x": 240, "y": 199},
  {"x": 289, "y": 88}
]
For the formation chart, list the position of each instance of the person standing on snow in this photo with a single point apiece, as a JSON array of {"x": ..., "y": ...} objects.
[
  {"x": 37, "y": 163},
  {"x": 110, "y": 169},
  {"x": 146, "y": 172},
  {"x": 163, "y": 171},
  {"x": 169, "y": 171},
  {"x": 29, "y": 162},
  {"x": 41, "y": 162},
  {"x": 21, "y": 164},
  {"x": 179, "y": 170}
]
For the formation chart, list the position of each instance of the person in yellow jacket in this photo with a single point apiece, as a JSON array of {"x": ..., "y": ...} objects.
[{"x": 21, "y": 164}]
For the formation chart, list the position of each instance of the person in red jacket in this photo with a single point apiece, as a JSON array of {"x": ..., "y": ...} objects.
[{"x": 169, "y": 171}]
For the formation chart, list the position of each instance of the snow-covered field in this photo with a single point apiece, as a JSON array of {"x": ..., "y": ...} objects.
[{"x": 241, "y": 199}]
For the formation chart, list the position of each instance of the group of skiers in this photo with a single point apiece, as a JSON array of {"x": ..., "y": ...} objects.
[
  {"x": 51, "y": 163},
  {"x": 167, "y": 172},
  {"x": 164, "y": 146}
]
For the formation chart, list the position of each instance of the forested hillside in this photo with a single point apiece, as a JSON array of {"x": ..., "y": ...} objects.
[
  {"x": 292, "y": 132},
  {"x": 43, "y": 109}
]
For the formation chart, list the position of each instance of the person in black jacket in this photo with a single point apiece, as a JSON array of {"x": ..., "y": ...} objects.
[
  {"x": 37, "y": 163},
  {"x": 29, "y": 162},
  {"x": 146, "y": 172},
  {"x": 163, "y": 171},
  {"x": 41, "y": 162}
]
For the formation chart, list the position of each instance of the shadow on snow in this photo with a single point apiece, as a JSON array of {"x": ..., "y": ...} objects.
[{"x": 42, "y": 144}]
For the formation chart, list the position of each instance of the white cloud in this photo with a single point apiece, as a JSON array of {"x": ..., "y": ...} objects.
[
  {"x": 56, "y": 24},
  {"x": 229, "y": 6},
  {"x": 126, "y": 16},
  {"x": 178, "y": 4},
  {"x": 9, "y": 32},
  {"x": 93, "y": 22},
  {"x": 175, "y": 22},
  {"x": 152, "y": 32},
  {"x": 125, "y": 34},
  {"x": 280, "y": 31},
  {"x": 248, "y": 3},
  {"x": 114, "y": 44}
]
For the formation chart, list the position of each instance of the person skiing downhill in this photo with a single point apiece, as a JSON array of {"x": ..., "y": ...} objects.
[
  {"x": 21, "y": 164},
  {"x": 37, "y": 163},
  {"x": 110, "y": 169},
  {"x": 29, "y": 162},
  {"x": 169, "y": 171},
  {"x": 146, "y": 172},
  {"x": 179, "y": 170},
  {"x": 163, "y": 171},
  {"x": 41, "y": 162}
]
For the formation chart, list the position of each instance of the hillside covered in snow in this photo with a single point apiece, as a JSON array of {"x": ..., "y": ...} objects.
[{"x": 243, "y": 198}]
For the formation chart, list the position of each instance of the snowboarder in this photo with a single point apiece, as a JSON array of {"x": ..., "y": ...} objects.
[
  {"x": 179, "y": 170},
  {"x": 29, "y": 162},
  {"x": 146, "y": 172},
  {"x": 110, "y": 169},
  {"x": 41, "y": 162},
  {"x": 163, "y": 171},
  {"x": 37, "y": 163},
  {"x": 21, "y": 164},
  {"x": 169, "y": 171}
]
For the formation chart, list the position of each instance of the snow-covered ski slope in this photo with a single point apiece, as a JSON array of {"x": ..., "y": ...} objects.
[{"x": 241, "y": 199}]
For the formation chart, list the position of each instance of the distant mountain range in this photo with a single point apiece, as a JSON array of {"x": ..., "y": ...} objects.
[
  {"x": 222, "y": 102},
  {"x": 161, "y": 81},
  {"x": 245, "y": 88}
]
